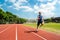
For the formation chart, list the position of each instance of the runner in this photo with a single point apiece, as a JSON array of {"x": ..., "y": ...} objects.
[{"x": 40, "y": 21}]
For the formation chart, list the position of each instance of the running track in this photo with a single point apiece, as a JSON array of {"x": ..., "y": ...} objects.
[{"x": 21, "y": 32}]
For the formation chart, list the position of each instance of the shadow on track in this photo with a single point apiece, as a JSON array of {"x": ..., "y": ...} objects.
[{"x": 30, "y": 31}]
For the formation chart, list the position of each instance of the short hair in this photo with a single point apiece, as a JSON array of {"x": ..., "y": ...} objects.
[{"x": 39, "y": 12}]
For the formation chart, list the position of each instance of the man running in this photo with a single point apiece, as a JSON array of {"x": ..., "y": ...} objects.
[{"x": 40, "y": 21}]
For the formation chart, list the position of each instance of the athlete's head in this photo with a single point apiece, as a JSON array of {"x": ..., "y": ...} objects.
[{"x": 39, "y": 13}]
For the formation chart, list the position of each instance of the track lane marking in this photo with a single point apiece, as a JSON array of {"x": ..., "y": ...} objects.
[
  {"x": 5, "y": 29},
  {"x": 37, "y": 34},
  {"x": 16, "y": 33}
]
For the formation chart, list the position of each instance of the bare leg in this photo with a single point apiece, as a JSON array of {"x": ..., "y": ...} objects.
[
  {"x": 37, "y": 27},
  {"x": 42, "y": 24}
]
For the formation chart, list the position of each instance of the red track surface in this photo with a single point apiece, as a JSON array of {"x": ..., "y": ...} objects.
[{"x": 21, "y": 32}]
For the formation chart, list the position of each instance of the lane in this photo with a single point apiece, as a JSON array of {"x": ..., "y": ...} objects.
[
  {"x": 9, "y": 34},
  {"x": 47, "y": 35},
  {"x": 25, "y": 35},
  {"x": 21, "y": 32},
  {"x": 35, "y": 33},
  {"x": 2, "y": 27}
]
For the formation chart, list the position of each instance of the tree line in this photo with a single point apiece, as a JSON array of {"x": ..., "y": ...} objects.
[
  {"x": 8, "y": 17},
  {"x": 53, "y": 19}
]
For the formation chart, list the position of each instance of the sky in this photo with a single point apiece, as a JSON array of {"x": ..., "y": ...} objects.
[{"x": 29, "y": 8}]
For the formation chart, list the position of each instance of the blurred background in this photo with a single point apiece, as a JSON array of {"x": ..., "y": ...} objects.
[{"x": 26, "y": 11}]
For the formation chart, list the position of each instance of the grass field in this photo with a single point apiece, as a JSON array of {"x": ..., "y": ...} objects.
[{"x": 51, "y": 27}]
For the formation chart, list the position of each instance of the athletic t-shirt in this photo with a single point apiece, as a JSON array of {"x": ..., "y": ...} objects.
[{"x": 40, "y": 18}]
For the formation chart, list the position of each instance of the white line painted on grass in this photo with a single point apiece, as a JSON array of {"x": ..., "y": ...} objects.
[
  {"x": 5, "y": 29},
  {"x": 37, "y": 35},
  {"x": 16, "y": 33}
]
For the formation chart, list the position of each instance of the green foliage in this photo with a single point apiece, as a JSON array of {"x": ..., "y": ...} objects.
[
  {"x": 47, "y": 20},
  {"x": 8, "y": 17},
  {"x": 53, "y": 19},
  {"x": 22, "y": 20}
]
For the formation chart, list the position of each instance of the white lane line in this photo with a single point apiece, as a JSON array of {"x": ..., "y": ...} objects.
[
  {"x": 16, "y": 33},
  {"x": 37, "y": 35},
  {"x": 5, "y": 29}
]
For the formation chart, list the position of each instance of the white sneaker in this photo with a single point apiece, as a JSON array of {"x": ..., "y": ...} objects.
[{"x": 36, "y": 30}]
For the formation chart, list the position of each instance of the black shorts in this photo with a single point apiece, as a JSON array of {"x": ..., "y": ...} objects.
[{"x": 39, "y": 22}]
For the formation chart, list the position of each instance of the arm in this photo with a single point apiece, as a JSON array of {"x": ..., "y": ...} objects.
[{"x": 42, "y": 20}]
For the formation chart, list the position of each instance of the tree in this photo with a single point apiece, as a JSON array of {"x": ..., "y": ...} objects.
[{"x": 10, "y": 18}]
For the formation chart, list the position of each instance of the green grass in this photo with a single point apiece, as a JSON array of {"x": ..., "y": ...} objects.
[{"x": 52, "y": 27}]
